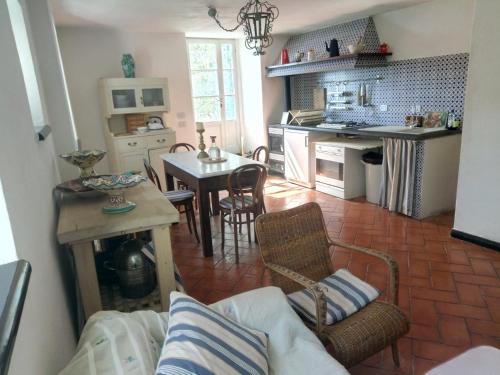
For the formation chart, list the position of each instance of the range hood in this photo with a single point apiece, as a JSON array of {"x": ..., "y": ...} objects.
[{"x": 346, "y": 33}]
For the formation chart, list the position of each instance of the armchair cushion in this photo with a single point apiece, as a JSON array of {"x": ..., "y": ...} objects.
[
  {"x": 202, "y": 341},
  {"x": 345, "y": 294}
]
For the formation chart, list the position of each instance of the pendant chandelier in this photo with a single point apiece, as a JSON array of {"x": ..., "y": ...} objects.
[{"x": 257, "y": 18}]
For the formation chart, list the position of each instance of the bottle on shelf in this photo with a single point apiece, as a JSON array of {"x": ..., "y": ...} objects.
[{"x": 450, "y": 124}]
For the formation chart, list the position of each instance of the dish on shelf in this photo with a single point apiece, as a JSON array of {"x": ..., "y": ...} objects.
[{"x": 85, "y": 160}]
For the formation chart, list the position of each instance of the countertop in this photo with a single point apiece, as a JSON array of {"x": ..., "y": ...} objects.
[
  {"x": 377, "y": 134},
  {"x": 81, "y": 219}
]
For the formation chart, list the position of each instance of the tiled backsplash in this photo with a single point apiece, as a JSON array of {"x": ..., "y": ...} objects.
[{"x": 434, "y": 83}]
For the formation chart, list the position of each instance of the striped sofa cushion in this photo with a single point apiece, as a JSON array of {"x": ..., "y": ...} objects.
[
  {"x": 345, "y": 294},
  {"x": 202, "y": 341}
]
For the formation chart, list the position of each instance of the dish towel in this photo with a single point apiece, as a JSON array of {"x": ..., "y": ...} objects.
[{"x": 345, "y": 294}]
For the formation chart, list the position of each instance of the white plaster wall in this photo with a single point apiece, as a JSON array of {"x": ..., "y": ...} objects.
[
  {"x": 28, "y": 170},
  {"x": 53, "y": 83},
  {"x": 478, "y": 202},
  {"x": 436, "y": 28},
  {"x": 251, "y": 96},
  {"x": 263, "y": 98},
  {"x": 89, "y": 54},
  {"x": 273, "y": 89}
]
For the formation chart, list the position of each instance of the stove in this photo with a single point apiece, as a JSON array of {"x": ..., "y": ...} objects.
[{"x": 343, "y": 125}]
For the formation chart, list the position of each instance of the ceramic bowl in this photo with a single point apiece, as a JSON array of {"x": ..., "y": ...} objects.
[
  {"x": 114, "y": 186},
  {"x": 85, "y": 160}
]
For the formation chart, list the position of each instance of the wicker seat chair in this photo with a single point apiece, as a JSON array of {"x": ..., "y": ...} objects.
[{"x": 295, "y": 247}]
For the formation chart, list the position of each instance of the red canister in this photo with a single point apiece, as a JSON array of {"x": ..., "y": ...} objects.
[{"x": 284, "y": 56}]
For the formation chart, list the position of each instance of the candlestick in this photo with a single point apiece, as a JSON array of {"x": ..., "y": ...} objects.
[{"x": 202, "y": 154}]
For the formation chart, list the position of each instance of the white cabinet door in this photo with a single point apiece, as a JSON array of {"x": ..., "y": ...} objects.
[
  {"x": 297, "y": 163},
  {"x": 157, "y": 164},
  {"x": 132, "y": 162},
  {"x": 154, "y": 98}
]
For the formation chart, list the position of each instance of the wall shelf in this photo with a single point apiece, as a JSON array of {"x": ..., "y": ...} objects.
[{"x": 342, "y": 62}]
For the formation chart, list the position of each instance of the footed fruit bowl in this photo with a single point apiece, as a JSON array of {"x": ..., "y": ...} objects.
[
  {"x": 85, "y": 160},
  {"x": 114, "y": 186}
]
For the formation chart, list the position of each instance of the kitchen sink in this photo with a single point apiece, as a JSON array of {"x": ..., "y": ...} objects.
[
  {"x": 389, "y": 128},
  {"x": 402, "y": 129}
]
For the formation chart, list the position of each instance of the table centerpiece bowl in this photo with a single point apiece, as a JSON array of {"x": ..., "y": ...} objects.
[
  {"x": 85, "y": 160},
  {"x": 114, "y": 186}
]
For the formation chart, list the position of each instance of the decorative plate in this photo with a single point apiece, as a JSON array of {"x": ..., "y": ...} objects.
[{"x": 112, "y": 182}]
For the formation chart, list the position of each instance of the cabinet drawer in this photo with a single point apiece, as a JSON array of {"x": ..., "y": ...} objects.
[
  {"x": 160, "y": 140},
  {"x": 130, "y": 145}
]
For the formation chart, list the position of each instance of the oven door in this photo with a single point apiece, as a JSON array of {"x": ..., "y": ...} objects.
[
  {"x": 330, "y": 169},
  {"x": 276, "y": 141}
]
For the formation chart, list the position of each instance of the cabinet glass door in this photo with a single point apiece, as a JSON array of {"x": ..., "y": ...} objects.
[
  {"x": 152, "y": 97},
  {"x": 123, "y": 98}
]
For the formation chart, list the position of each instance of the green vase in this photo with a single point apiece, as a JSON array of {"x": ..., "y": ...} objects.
[{"x": 128, "y": 65}]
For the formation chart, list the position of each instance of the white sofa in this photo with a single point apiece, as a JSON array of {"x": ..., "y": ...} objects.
[{"x": 114, "y": 342}]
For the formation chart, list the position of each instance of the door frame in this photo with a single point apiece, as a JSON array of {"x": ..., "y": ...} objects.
[{"x": 237, "y": 87}]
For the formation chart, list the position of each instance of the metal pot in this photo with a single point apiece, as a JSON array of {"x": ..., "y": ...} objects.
[{"x": 136, "y": 273}]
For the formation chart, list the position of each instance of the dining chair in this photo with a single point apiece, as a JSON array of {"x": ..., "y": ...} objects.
[
  {"x": 295, "y": 247},
  {"x": 257, "y": 154},
  {"x": 181, "y": 185},
  {"x": 245, "y": 186},
  {"x": 179, "y": 198}
]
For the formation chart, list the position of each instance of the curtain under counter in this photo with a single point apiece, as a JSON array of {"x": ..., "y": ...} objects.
[{"x": 397, "y": 189}]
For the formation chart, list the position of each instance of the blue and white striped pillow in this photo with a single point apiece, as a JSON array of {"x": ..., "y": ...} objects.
[
  {"x": 345, "y": 294},
  {"x": 201, "y": 341}
]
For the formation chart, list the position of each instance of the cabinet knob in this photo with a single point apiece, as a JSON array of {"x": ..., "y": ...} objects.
[
  {"x": 163, "y": 140},
  {"x": 132, "y": 144}
]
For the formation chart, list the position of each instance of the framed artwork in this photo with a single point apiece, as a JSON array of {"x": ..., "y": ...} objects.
[{"x": 435, "y": 119}]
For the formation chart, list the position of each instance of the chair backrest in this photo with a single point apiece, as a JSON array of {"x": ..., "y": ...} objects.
[
  {"x": 247, "y": 182},
  {"x": 153, "y": 176},
  {"x": 261, "y": 150},
  {"x": 296, "y": 239},
  {"x": 185, "y": 146}
]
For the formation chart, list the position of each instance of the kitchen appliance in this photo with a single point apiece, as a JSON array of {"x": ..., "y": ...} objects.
[
  {"x": 276, "y": 149},
  {"x": 155, "y": 123},
  {"x": 339, "y": 171},
  {"x": 333, "y": 49},
  {"x": 136, "y": 273},
  {"x": 299, "y": 155}
]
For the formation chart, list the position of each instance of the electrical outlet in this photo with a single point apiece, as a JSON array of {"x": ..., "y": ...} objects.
[
  {"x": 418, "y": 108},
  {"x": 383, "y": 107}
]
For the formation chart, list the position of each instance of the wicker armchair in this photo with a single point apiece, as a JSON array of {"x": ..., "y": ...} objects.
[{"x": 294, "y": 245}]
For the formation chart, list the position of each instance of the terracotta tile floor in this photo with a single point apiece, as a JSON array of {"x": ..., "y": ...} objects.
[{"x": 449, "y": 289}]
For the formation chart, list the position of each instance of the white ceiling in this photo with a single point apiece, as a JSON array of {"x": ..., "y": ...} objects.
[{"x": 190, "y": 16}]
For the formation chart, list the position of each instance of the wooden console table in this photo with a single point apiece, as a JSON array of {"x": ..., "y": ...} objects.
[{"x": 81, "y": 221}]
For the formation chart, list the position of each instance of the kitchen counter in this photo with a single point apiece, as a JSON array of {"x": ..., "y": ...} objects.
[{"x": 379, "y": 134}]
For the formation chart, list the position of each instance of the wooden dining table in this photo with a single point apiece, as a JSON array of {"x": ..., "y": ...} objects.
[{"x": 207, "y": 179}]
